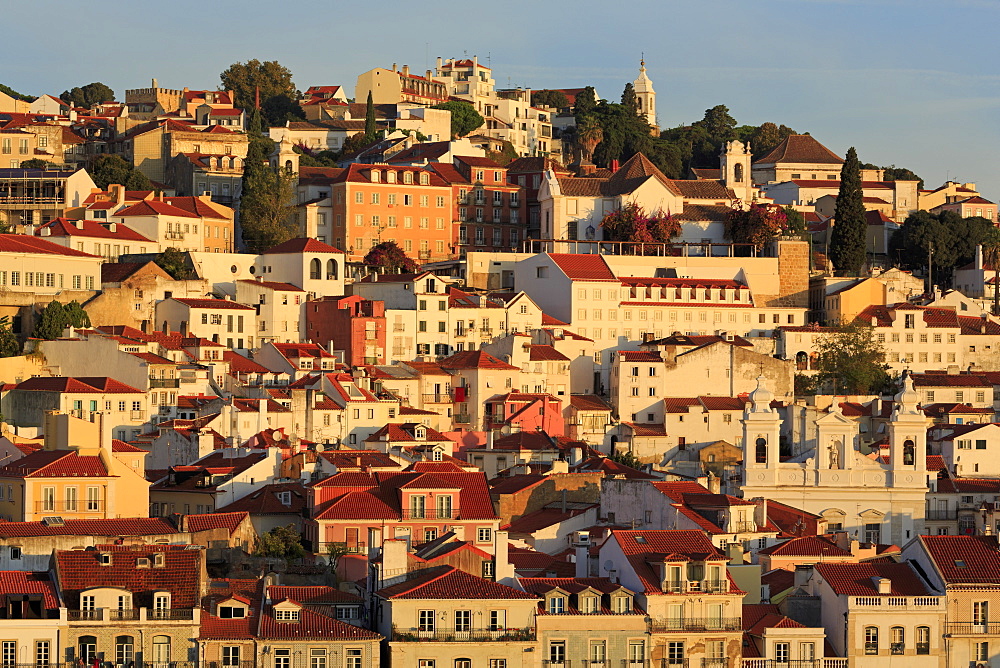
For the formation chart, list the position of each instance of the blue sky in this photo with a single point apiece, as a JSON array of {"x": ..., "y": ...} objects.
[{"x": 908, "y": 82}]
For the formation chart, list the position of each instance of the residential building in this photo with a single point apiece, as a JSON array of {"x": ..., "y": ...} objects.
[
  {"x": 400, "y": 85},
  {"x": 124, "y": 409},
  {"x": 33, "y": 614},
  {"x": 174, "y": 222},
  {"x": 36, "y": 196},
  {"x": 33, "y": 265},
  {"x": 152, "y": 146},
  {"x": 218, "y": 320},
  {"x": 280, "y": 309},
  {"x": 354, "y": 325},
  {"x": 108, "y": 240}
]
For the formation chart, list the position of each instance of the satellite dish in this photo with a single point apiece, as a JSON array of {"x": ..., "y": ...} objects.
[{"x": 609, "y": 565}]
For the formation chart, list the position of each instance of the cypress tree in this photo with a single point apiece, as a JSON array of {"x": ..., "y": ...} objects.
[
  {"x": 629, "y": 99},
  {"x": 369, "y": 118},
  {"x": 847, "y": 243}
]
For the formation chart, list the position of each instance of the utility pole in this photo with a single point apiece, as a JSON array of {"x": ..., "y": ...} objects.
[{"x": 930, "y": 271}]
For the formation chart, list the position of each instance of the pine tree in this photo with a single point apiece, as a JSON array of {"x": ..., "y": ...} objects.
[
  {"x": 369, "y": 118},
  {"x": 847, "y": 243},
  {"x": 52, "y": 321}
]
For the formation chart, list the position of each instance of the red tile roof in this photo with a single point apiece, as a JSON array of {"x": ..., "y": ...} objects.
[
  {"x": 13, "y": 583},
  {"x": 64, "y": 227},
  {"x": 138, "y": 526},
  {"x": 78, "y": 570},
  {"x": 856, "y": 579},
  {"x": 273, "y": 285},
  {"x": 583, "y": 267},
  {"x": 76, "y": 385},
  {"x": 639, "y": 356},
  {"x": 212, "y": 304},
  {"x": 225, "y": 520},
  {"x": 474, "y": 359},
  {"x": 588, "y": 402},
  {"x": 542, "y": 353},
  {"x": 807, "y": 546},
  {"x": 544, "y": 517},
  {"x": 447, "y": 582},
  {"x": 22, "y": 243},
  {"x": 964, "y": 559},
  {"x": 801, "y": 149},
  {"x": 56, "y": 464},
  {"x": 639, "y": 546},
  {"x": 949, "y": 380},
  {"x": 302, "y": 245}
]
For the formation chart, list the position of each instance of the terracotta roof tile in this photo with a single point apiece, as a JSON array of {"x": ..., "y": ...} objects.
[
  {"x": 800, "y": 149},
  {"x": 964, "y": 559},
  {"x": 302, "y": 245},
  {"x": 13, "y": 583},
  {"x": 583, "y": 267},
  {"x": 447, "y": 582},
  {"x": 856, "y": 579},
  {"x": 180, "y": 575}
]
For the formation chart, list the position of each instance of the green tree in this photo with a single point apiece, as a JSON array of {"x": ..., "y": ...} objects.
[
  {"x": 280, "y": 542},
  {"x": 390, "y": 258},
  {"x": 356, "y": 143},
  {"x": 370, "y": 118},
  {"x": 851, "y": 360},
  {"x": 625, "y": 458},
  {"x": 505, "y": 155},
  {"x": 795, "y": 222},
  {"x": 89, "y": 95},
  {"x": 14, "y": 94},
  {"x": 9, "y": 345},
  {"x": 588, "y": 135},
  {"x": 767, "y": 136},
  {"x": 629, "y": 99},
  {"x": 280, "y": 108},
  {"x": 850, "y": 229},
  {"x": 585, "y": 104},
  {"x": 51, "y": 322},
  {"x": 464, "y": 117},
  {"x": 757, "y": 225},
  {"x": 174, "y": 262},
  {"x": 266, "y": 206},
  {"x": 556, "y": 99},
  {"x": 270, "y": 78},
  {"x": 75, "y": 315},
  {"x": 35, "y": 163},
  {"x": 108, "y": 169},
  {"x": 947, "y": 238},
  {"x": 718, "y": 123}
]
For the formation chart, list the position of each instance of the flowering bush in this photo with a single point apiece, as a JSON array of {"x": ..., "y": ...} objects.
[
  {"x": 391, "y": 258},
  {"x": 756, "y": 225},
  {"x": 632, "y": 223}
]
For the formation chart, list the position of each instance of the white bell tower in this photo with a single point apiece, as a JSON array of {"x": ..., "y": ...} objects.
[
  {"x": 761, "y": 432},
  {"x": 908, "y": 438},
  {"x": 734, "y": 168},
  {"x": 646, "y": 96}
]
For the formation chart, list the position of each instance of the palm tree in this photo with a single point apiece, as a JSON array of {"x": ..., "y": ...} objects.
[{"x": 588, "y": 135}]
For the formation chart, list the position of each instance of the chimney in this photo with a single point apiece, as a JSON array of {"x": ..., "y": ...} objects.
[
  {"x": 489, "y": 439},
  {"x": 261, "y": 415},
  {"x": 503, "y": 570},
  {"x": 802, "y": 574},
  {"x": 155, "y": 84},
  {"x": 439, "y": 62},
  {"x": 979, "y": 256},
  {"x": 562, "y": 503},
  {"x": 394, "y": 67},
  {"x": 117, "y": 194},
  {"x": 406, "y": 70},
  {"x": 559, "y": 466},
  {"x": 582, "y": 553},
  {"x": 394, "y": 551},
  {"x": 883, "y": 585},
  {"x": 760, "y": 512}
]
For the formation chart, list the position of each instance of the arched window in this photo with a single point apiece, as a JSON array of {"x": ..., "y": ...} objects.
[
  {"x": 871, "y": 640},
  {"x": 761, "y": 451},
  {"x": 923, "y": 639},
  {"x": 897, "y": 640},
  {"x": 463, "y": 663},
  {"x": 288, "y": 166},
  {"x": 161, "y": 650},
  {"x": 124, "y": 650},
  {"x": 315, "y": 267},
  {"x": 909, "y": 453},
  {"x": 738, "y": 173},
  {"x": 232, "y": 163},
  {"x": 331, "y": 270},
  {"x": 87, "y": 648},
  {"x": 802, "y": 360}
]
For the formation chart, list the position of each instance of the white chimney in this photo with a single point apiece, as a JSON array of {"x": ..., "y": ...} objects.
[
  {"x": 503, "y": 570},
  {"x": 883, "y": 585}
]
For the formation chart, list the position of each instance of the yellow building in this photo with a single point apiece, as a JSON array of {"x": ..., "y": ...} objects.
[
  {"x": 845, "y": 303},
  {"x": 78, "y": 474}
]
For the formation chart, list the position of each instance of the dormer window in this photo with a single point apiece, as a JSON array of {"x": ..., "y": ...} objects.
[
  {"x": 390, "y": 177},
  {"x": 286, "y": 615},
  {"x": 589, "y": 604},
  {"x": 420, "y": 433},
  {"x": 376, "y": 176},
  {"x": 104, "y": 559},
  {"x": 557, "y": 605},
  {"x": 161, "y": 605},
  {"x": 232, "y": 612},
  {"x": 621, "y": 604}
]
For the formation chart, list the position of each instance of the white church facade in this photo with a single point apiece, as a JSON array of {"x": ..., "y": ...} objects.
[{"x": 871, "y": 499}]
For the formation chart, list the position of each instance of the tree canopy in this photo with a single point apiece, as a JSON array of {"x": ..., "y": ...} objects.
[
  {"x": 464, "y": 117},
  {"x": 953, "y": 239},
  {"x": 894, "y": 173},
  {"x": 757, "y": 225},
  {"x": 89, "y": 95},
  {"x": 274, "y": 81},
  {"x": 391, "y": 258},
  {"x": 107, "y": 169},
  {"x": 850, "y": 229},
  {"x": 9, "y": 345},
  {"x": 35, "y": 163},
  {"x": 549, "y": 98},
  {"x": 851, "y": 360},
  {"x": 56, "y": 317},
  {"x": 280, "y": 542},
  {"x": 174, "y": 262},
  {"x": 268, "y": 195},
  {"x": 14, "y": 94}
]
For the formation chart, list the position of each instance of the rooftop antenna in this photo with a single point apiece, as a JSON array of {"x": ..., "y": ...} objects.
[{"x": 489, "y": 59}]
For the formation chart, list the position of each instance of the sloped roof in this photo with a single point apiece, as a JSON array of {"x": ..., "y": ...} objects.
[
  {"x": 806, "y": 546},
  {"x": 13, "y": 583},
  {"x": 800, "y": 149},
  {"x": 964, "y": 559},
  {"x": 180, "y": 575},
  {"x": 475, "y": 359},
  {"x": 450, "y": 583},
  {"x": 641, "y": 545},
  {"x": 856, "y": 579},
  {"x": 56, "y": 464},
  {"x": 23, "y": 243},
  {"x": 580, "y": 267},
  {"x": 134, "y": 526},
  {"x": 302, "y": 245}
]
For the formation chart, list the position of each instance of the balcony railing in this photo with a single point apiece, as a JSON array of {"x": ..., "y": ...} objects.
[
  {"x": 464, "y": 635},
  {"x": 437, "y": 398},
  {"x": 429, "y": 514},
  {"x": 938, "y": 514},
  {"x": 703, "y": 586},
  {"x": 635, "y": 663},
  {"x": 743, "y": 527},
  {"x": 675, "y": 663},
  {"x": 461, "y": 418},
  {"x": 695, "y": 624},
  {"x": 714, "y": 663},
  {"x": 174, "y": 614},
  {"x": 971, "y": 628},
  {"x": 164, "y": 382},
  {"x": 85, "y": 615},
  {"x": 123, "y": 615},
  {"x": 830, "y": 662},
  {"x": 893, "y": 603},
  {"x": 348, "y": 548}
]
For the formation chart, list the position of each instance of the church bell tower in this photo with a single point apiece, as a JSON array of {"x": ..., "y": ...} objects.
[{"x": 646, "y": 96}]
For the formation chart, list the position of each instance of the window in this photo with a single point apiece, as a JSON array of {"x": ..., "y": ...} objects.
[
  {"x": 761, "y": 451},
  {"x": 354, "y": 656},
  {"x": 425, "y": 663},
  {"x": 873, "y": 533},
  {"x": 982, "y": 651},
  {"x": 93, "y": 498},
  {"x": 871, "y": 640},
  {"x": 557, "y": 651},
  {"x": 463, "y": 620},
  {"x": 897, "y": 639},
  {"x": 675, "y": 653},
  {"x": 124, "y": 650},
  {"x": 317, "y": 658},
  {"x": 161, "y": 649},
  {"x": 463, "y": 663},
  {"x": 425, "y": 620},
  {"x": 42, "y": 653},
  {"x": 557, "y": 605},
  {"x": 598, "y": 651},
  {"x": 286, "y": 615},
  {"x": 498, "y": 620},
  {"x": 589, "y": 604},
  {"x": 48, "y": 498},
  {"x": 484, "y": 535},
  {"x": 923, "y": 639},
  {"x": 443, "y": 506},
  {"x": 87, "y": 648},
  {"x": 637, "y": 652},
  {"x": 621, "y": 604},
  {"x": 782, "y": 651}
]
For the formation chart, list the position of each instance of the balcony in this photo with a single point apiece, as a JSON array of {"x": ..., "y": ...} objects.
[
  {"x": 831, "y": 662},
  {"x": 123, "y": 615},
  {"x": 635, "y": 663},
  {"x": 461, "y": 418},
  {"x": 970, "y": 628},
  {"x": 941, "y": 515},
  {"x": 715, "y": 663},
  {"x": 155, "y": 383},
  {"x": 436, "y": 398},
  {"x": 429, "y": 514},
  {"x": 695, "y": 624},
  {"x": 675, "y": 663},
  {"x": 424, "y": 255},
  {"x": 441, "y": 634},
  {"x": 743, "y": 527},
  {"x": 896, "y": 603},
  {"x": 345, "y": 548},
  {"x": 85, "y": 615},
  {"x": 174, "y": 614},
  {"x": 701, "y": 586}
]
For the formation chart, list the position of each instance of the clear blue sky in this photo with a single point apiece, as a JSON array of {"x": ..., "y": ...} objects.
[{"x": 908, "y": 82}]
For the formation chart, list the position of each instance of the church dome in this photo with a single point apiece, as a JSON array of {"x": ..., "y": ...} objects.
[{"x": 761, "y": 397}]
